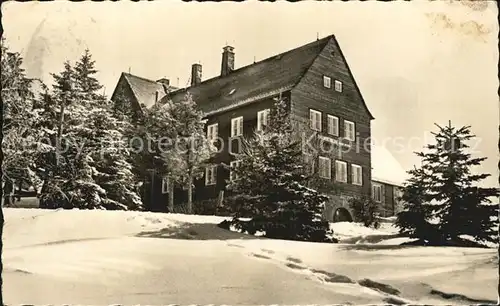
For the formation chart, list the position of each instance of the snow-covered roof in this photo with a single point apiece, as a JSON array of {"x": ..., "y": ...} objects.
[{"x": 385, "y": 168}]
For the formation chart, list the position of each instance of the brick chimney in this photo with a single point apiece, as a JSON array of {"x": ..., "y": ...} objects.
[
  {"x": 227, "y": 60},
  {"x": 195, "y": 74}
]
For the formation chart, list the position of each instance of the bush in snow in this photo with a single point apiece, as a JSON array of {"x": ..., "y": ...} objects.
[
  {"x": 270, "y": 185},
  {"x": 364, "y": 209},
  {"x": 443, "y": 201}
]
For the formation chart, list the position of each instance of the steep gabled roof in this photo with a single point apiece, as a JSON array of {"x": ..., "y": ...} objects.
[
  {"x": 267, "y": 77},
  {"x": 386, "y": 169},
  {"x": 144, "y": 89}
]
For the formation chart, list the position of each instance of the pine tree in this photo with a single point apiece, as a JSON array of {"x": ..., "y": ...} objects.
[
  {"x": 67, "y": 168},
  {"x": 112, "y": 168},
  {"x": 444, "y": 193},
  {"x": 413, "y": 220},
  {"x": 108, "y": 142},
  {"x": 18, "y": 135},
  {"x": 86, "y": 83},
  {"x": 270, "y": 185}
]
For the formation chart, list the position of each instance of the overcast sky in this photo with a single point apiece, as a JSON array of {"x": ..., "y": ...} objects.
[{"x": 417, "y": 63}]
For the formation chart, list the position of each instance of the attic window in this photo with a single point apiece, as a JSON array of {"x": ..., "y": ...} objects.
[{"x": 232, "y": 91}]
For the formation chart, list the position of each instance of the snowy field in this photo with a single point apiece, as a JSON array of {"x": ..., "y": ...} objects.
[{"x": 114, "y": 257}]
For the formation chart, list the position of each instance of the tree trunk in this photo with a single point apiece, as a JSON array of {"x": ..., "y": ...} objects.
[
  {"x": 1, "y": 251},
  {"x": 190, "y": 193},
  {"x": 60, "y": 131},
  {"x": 170, "y": 196}
]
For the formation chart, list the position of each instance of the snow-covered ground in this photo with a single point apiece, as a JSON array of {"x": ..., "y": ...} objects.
[{"x": 114, "y": 257}]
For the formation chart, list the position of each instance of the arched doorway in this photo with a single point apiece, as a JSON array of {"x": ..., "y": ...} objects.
[{"x": 342, "y": 215}]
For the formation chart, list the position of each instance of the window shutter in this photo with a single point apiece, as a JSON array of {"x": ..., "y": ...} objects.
[
  {"x": 382, "y": 193},
  {"x": 240, "y": 126},
  {"x": 311, "y": 120}
]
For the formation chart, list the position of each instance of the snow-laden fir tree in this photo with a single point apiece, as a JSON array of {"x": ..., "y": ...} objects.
[
  {"x": 269, "y": 184},
  {"x": 413, "y": 221},
  {"x": 85, "y": 81},
  {"x": 112, "y": 161},
  {"x": 87, "y": 163},
  {"x": 65, "y": 164},
  {"x": 19, "y": 118},
  {"x": 445, "y": 192}
]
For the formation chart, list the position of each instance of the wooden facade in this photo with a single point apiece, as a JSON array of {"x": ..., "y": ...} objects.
[
  {"x": 298, "y": 76},
  {"x": 389, "y": 198}
]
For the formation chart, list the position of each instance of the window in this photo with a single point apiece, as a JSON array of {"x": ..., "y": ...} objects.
[
  {"x": 325, "y": 167},
  {"x": 338, "y": 86},
  {"x": 262, "y": 119},
  {"x": 165, "y": 185},
  {"x": 377, "y": 192},
  {"x": 333, "y": 125},
  {"x": 357, "y": 174},
  {"x": 315, "y": 120},
  {"x": 341, "y": 171},
  {"x": 157, "y": 94},
  {"x": 349, "y": 130},
  {"x": 232, "y": 174},
  {"x": 210, "y": 175},
  {"x": 327, "y": 82},
  {"x": 212, "y": 132},
  {"x": 236, "y": 126}
]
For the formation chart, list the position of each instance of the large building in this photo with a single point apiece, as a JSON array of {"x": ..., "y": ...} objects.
[{"x": 323, "y": 99}]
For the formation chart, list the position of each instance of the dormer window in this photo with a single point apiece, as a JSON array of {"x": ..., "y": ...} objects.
[
  {"x": 327, "y": 82},
  {"x": 338, "y": 86}
]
